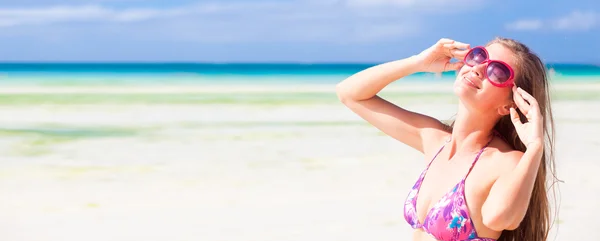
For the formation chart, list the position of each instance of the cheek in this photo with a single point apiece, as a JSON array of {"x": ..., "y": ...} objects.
[
  {"x": 493, "y": 96},
  {"x": 461, "y": 72}
]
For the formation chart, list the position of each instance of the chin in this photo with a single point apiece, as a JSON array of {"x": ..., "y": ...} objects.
[
  {"x": 464, "y": 93},
  {"x": 459, "y": 88}
]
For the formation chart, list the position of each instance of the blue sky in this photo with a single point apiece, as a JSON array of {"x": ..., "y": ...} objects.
[{"x": 287, "y": 31}]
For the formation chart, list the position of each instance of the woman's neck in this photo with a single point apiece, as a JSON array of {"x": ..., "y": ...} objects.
[{"x": 471, "y": 131}]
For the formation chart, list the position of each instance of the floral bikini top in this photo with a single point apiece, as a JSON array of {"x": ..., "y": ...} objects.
[{"x": 448, "y": 219}]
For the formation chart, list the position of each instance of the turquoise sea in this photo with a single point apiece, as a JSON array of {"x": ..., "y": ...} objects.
[{"x": 229, "y": 73}]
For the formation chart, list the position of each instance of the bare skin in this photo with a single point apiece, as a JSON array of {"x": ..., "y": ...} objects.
[{"x": 499, "y": 187}]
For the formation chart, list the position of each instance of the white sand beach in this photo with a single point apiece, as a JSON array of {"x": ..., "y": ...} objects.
[{"x": 220, "y": 171}]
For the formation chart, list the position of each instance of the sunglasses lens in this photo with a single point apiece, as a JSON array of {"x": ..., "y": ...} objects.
[
  {"x": 498, "y": 72},
  {"x": 476, "y": 56}
]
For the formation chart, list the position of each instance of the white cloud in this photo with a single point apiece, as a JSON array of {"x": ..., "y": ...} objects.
[
  {"x": 136, "y": 15},
  {"x": 85, "y": 13},
  {"x": 574, "y": 21},
  {"x": 374, "y": 3},
  {"x": 526, "y": 24},
  {"x": 306, "y": 20},
  {"x": 577, "y": 20},
  {"x": 456, "y": 5},
  {"x": 98, "y": 13},
  {"x": 415, "y": 6}
]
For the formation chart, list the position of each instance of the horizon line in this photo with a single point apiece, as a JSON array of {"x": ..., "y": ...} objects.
[{"x": 247, "y": 62}]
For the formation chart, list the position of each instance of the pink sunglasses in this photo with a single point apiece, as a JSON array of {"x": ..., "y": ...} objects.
[{"x": 499, "y": 73}]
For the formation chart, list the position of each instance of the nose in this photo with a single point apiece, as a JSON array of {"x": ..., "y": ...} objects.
[{"x": 478, "y": 70}]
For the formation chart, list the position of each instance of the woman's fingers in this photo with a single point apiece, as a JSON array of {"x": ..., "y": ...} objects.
[
  {"x": 445, "y": 41},
  {"x": 534, "y": 108},
  {"x": 456, "y": 45},
  {"x": 456, "y": 50},
  {"x": 460, "y": 45},
  {"x": 453, "y": 66},
  {"x": 532, "y": 101},
  {"x": 526, "y": 103},
  {"x": 447, "y": 49},
  {"x": 459, "y": 54},
  {"x": 520, "y": 101},
  {"x": 514, "y": 117}
]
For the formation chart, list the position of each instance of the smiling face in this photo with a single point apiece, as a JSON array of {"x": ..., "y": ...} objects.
[{"x": 476, "y": 92}]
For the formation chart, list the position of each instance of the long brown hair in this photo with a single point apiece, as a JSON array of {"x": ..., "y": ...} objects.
[{"x": 532, "y": 77}]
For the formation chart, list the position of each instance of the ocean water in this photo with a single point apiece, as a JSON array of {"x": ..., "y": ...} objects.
[{"x": 67, "y": 74}]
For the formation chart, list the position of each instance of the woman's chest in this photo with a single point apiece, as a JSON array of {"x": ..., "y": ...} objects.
[{"x": 445, "y": 181}]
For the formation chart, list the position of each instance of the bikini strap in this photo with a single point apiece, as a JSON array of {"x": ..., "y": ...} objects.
[
  {"x": 497, "y": 134},
  {"x": 438, "y": 152},
  {"x": 478, "y": 155}
]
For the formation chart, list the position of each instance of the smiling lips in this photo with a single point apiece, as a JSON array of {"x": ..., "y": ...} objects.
[{"x": 469, "y": 82}]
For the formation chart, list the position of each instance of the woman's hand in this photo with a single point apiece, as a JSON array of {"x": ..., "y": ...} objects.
[
  {"x": 533, "y": 130},
  {"x": 437, "y": 57}
]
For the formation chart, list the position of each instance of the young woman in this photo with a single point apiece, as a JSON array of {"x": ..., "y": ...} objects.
[{"x": 486, "y": 175}]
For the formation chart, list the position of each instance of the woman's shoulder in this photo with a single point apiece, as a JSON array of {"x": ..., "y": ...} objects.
[
  {"x": 502, "y": 157},
  {"x": 434, "y": 139}
]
